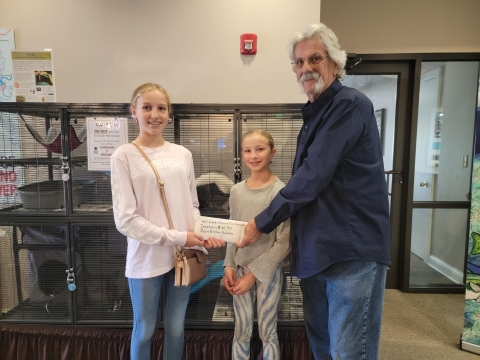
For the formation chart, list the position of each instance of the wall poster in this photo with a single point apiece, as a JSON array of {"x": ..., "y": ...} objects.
[
  {"x": 7, "y": 44},
  {"x": 33, "y": 76}
]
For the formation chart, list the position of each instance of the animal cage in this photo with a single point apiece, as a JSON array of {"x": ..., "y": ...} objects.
[{"x": 56, "y": 231}]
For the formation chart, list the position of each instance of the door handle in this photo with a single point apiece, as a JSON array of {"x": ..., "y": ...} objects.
[
  {"x": 424, "y": 184},
  {"x": 392, "y": 172}
]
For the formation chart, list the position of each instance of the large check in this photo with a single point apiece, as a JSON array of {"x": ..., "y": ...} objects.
[{"x": 227, "y": 230}]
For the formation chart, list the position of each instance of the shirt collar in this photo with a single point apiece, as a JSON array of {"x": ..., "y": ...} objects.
[{"x": 310, "y": 108}]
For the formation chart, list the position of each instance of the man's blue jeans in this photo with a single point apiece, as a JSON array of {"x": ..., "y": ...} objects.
[
  {"x": 145, "y": 295},
  {"x": 343, "y": 310}
]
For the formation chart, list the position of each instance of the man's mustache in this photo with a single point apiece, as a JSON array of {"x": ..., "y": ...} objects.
[{"x": 309, "y": 76}]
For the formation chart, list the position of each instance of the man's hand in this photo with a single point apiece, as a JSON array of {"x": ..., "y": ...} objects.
[
  {"x": 230, "y": 279},
  {"x": 244, "y": 284},
  {"x": 251, "y": 235}
]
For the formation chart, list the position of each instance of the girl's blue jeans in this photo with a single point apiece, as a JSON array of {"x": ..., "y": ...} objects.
[{"x": 145, "y": 295}]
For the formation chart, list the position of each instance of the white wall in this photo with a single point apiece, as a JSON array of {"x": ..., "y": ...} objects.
[{"x": 103, "y": 49}]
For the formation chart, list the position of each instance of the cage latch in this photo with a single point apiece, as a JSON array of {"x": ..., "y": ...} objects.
[
  {"x": 65, "y": 168},
  {"x": 237, "y": 166},
  {"x": 71, "y": 280}
]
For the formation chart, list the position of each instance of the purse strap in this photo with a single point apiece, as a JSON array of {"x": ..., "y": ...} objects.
[{"x": 160, "y": 183}]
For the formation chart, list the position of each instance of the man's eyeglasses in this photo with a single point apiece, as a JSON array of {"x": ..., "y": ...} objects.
[{"x": 312, "y": 60}]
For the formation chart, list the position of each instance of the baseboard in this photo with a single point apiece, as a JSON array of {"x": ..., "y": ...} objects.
[
  {"x": 470, "y": 347},
  {"x": 443, "y": 268}
]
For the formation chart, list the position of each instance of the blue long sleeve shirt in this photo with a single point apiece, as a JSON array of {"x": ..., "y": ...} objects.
[{"x": 337, "y": 196}]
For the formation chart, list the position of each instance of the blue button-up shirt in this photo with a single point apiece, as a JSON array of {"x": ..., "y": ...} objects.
[{"x": 337, "y": 196}]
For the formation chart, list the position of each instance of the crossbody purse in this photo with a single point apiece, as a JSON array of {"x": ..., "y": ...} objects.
[{"x": 190, "y": 264}]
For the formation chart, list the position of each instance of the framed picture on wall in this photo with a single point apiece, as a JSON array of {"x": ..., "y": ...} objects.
[{"x": 380, "y": 118}]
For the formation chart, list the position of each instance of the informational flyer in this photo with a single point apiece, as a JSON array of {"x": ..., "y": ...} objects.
[
  {"x": 104, "y": 136},
  {"x": 10, "y": 145},
  {"x": 228, "y": 230},
  {"x": 33, "y": 76},
  {"x": 7, "y": 44}
]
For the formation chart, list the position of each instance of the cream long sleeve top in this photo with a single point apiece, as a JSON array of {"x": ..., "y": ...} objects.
[
  {"x": 263, "y": 257},
  {"x": 139, "y": 212}
]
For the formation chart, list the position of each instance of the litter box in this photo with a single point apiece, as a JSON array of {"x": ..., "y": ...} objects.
[{"x": 49, "y": 194}]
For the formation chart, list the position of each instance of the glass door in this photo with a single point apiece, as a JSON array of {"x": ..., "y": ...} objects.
[
  {"x": 442, "y": 174},
  {"x": 386, "y": 84}
]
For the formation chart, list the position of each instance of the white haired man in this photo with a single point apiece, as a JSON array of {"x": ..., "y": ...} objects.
[{"x": 338, "y": 205}]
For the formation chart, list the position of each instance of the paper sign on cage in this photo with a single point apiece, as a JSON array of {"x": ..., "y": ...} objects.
[{"x": 228, "y": 230}]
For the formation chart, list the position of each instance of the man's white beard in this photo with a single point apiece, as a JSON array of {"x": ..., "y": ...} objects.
[{"x": 319, "y": 86}]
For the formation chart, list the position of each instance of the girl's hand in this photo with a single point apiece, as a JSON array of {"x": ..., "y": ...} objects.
[
  {"x": 244, "y": 284},
  {"x": 213, "y": 242},
  {"x": 230, "y": 279},
  {"x": 194, "y": 239}
]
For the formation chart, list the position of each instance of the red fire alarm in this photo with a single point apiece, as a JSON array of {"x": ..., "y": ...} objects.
[{"x": 248, "y": 44}]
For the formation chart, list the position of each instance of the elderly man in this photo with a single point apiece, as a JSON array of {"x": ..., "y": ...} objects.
[{"x": 338, "y": 205}]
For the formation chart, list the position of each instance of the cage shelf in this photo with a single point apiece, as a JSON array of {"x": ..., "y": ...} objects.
[{"x": 53, "y": 161}]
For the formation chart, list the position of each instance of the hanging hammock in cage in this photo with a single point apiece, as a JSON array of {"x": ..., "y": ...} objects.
[{"x": 53, "y": 139}]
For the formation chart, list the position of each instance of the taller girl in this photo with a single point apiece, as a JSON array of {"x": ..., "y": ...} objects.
[
  {"x": 140, "y": 215},
  {"x": 260, "y": 264}
]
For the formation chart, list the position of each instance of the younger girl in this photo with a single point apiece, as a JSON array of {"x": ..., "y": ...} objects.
[
  {"x": 140, "y": 215},
  {"x": 259, "y": 264}
]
